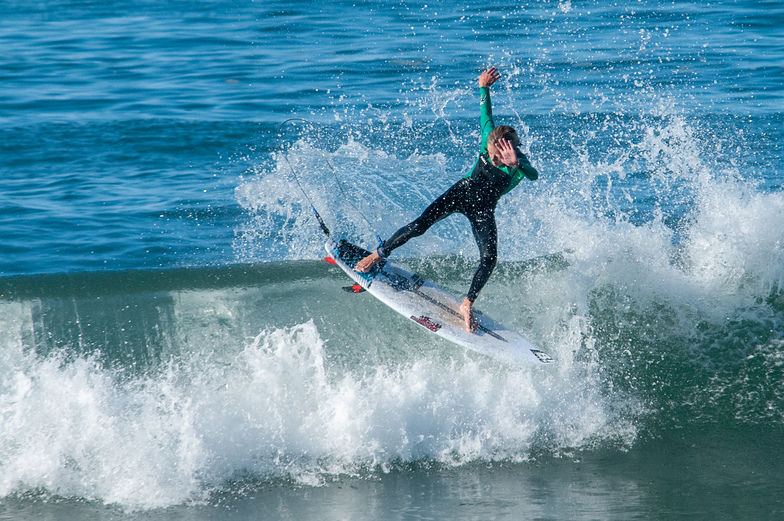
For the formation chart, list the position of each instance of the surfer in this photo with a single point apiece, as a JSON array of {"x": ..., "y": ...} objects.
[{"x": 499, "y": 168}]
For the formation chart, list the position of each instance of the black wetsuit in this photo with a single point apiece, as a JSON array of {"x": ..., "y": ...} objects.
[{"x": 474, "y": 196}]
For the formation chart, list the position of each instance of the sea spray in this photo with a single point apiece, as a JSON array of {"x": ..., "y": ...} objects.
[{"x": 670, "y": 247}]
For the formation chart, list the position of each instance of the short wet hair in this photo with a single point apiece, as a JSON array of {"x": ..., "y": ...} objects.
[{"x": 503, "y": 132}]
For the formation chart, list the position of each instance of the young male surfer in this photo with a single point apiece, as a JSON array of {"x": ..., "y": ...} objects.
[{"x": 499, "y": 168}]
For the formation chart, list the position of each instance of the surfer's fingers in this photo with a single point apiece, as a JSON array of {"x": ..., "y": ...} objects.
[
  {"x": 488, "y": 77},
  {"x": 504, "y": 145}
]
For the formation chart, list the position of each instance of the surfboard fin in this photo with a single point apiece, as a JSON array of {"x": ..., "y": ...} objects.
[{"x": 356, "y": 288}]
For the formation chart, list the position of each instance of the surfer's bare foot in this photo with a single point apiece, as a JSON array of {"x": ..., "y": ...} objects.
[
  {"x": 367, "y": 263},
  {"x": 471, "y": 324}
]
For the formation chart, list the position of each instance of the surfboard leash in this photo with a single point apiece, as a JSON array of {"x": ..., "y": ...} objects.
[
  {"x": 296, "y": 178},
  {"x": 334, "y": 173}
]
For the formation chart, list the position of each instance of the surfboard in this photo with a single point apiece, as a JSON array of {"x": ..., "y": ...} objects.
[{"x": 433, "y": 308}]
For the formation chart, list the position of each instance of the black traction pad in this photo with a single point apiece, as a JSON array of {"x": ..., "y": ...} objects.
[{"x": 352, "y": 254}]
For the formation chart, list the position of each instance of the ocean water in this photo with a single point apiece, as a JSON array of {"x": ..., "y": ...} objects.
[{"x": 172, "y": 345}]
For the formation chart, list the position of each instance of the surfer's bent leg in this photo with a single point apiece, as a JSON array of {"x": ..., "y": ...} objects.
[{"x": 486, "y": 235}]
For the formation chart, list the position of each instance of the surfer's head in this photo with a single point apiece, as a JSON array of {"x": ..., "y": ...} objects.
[{"x": 500, "y": 132}]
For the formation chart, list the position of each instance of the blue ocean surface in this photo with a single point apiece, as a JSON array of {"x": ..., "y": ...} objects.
[{"x": 172, "y": 345}]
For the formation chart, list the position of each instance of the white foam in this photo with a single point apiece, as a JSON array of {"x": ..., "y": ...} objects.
[
  {"x": 75, "y": 428},
  {"x": 356, "y": 189}
]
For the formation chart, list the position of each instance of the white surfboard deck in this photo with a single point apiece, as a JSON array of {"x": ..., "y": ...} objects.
[{"x": 434, "y": 308}]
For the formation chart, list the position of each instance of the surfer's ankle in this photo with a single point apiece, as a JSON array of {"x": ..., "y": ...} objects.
[{"x": 466, "y": 308}]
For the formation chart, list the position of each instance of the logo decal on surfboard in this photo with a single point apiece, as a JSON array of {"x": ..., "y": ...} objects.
[{"x": 427, "y": 322}]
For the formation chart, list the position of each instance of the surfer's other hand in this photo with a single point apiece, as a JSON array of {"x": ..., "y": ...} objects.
[
  {"x": 367, "y": 263},
  {"x": 471, "y": 324}
]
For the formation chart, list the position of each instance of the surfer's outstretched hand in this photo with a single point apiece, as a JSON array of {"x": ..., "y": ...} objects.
[
  {"x": 489, "y": 77},
  {"x": 471, "y": 325},
  {"x": 367, "y": 263}
]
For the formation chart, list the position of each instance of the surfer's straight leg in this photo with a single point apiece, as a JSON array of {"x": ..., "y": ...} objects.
[
  {"x": 448, "y": 203},
  {"x": 445, "y": 205}
]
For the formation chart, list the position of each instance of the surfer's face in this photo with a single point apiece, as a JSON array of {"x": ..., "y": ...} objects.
[{"x": 495, "y": 154}]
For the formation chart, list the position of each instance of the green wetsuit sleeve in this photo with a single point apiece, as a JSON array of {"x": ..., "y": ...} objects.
[
  {"x": 486, "y": 124},
  {"x": 523, "y": 170},
  {"x": 485, "y": 116}
]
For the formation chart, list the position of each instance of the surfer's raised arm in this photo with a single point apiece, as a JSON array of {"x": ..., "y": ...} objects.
[{"x": 503, "y": 148}]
